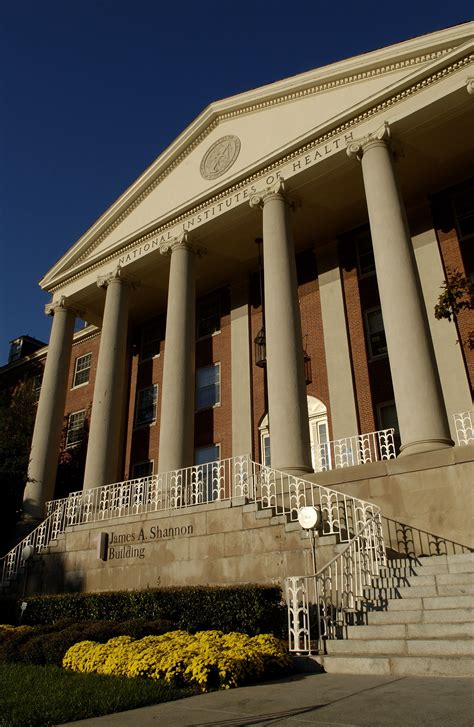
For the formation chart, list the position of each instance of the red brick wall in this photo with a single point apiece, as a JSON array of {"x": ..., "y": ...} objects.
[
  {"x": 214, "y": 426},
  {"x": 372, "y": 379},
  {"x": 80, "y": 397}
]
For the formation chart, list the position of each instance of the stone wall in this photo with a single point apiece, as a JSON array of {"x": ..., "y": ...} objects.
[
  {"x": 218, "y": 543},
  {"x": 231, "y": 543}
]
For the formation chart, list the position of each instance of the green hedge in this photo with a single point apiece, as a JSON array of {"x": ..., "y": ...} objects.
[
  {"x": 247, "y": 609},
  {"x": 47, "y": 644}
]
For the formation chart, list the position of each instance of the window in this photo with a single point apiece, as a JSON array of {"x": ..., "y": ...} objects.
[
  {"x": 365, "y": 253},
  {"x": 145, "y": 412},
  {"x": 265, "y": 445},
  {"x": 36, "y": 386},
  {"x": 209, "y": 317},
  {"x": 375, "y": 333},
  {"x": 75, "y": 428},
  {"x": 82, "y": 370},
  {"x": 142, "y": 469},
  {"x": 152, "y": 335},
  {"x": 464, "y": 211},
  {"x": 15, "y": 350},
  {"x": 208, "y": 479},
  {"x": 208, "y": 388}
]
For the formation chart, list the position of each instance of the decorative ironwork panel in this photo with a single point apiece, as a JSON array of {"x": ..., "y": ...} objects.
[{"x": 464, "y": 423}]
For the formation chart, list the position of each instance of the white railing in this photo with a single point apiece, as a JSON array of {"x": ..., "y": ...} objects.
[
  {"x": 238, "y": 477},
  {"x": 319, "y": 604},
  {"x": 351, "y": 451},
  {"x": 464, "y": 423}
]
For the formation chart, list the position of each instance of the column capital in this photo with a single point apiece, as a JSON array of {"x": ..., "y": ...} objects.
[
  {"x": 103, "y": 281},
  {"x": 61, "y": 303},
  {"x": 181, "y": 242},
  {"x": 358, "y": 147},
  {"x": 470, "y": 85},
  {"x": 259, "y": 199}
]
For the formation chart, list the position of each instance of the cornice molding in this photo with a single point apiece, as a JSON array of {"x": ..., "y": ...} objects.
[
  {"x": 256, "y": 106},
  {"x": 346, "y": 126}
]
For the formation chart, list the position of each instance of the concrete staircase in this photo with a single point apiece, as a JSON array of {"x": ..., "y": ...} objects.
[{"x": 418, "y": 621}]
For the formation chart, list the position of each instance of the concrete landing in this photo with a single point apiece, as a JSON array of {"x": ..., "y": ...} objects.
[{"x": 326, "y": 700}]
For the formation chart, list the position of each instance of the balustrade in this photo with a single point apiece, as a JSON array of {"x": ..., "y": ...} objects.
[
  {"x": 464, "y": 423},
  {"x": 353, "y": 451}
]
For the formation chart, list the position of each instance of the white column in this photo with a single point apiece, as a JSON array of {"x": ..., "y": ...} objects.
[
  {"x": 342, "y": 399},
  {"x": 177, "y": 395},
  {"x": 240, "y": 369},
  {"x": 448, "y": 352},
  {"x": 287, "y": 404},
  {"x": 50, "y": 414},
  {"x": 420, "y": 407},
  {"x": 103, "y": 449}
]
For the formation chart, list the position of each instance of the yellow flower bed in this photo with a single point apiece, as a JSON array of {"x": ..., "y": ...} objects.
[{"x": 208, "y": 659}]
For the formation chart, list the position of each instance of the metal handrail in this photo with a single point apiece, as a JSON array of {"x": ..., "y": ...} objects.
[
  {"x": 237, "y": 477},
  {"x": 318, "y": 604}
]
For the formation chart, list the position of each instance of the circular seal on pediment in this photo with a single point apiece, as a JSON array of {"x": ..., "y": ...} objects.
[{"x": 220, "y": 157}]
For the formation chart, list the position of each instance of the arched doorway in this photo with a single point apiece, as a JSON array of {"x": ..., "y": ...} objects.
[{"x": 318, "y": 432}]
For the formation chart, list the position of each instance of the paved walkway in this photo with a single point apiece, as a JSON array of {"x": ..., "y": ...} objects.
[{"x": 327, "y": 700}]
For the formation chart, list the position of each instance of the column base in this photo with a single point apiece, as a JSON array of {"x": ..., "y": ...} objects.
[{"x": 424, "y": 445}]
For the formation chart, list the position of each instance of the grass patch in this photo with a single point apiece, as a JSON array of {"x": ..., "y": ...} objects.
[{"x": 39, "y": 696}]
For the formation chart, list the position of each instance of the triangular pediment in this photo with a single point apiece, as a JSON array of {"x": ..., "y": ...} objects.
[{"x": 236, "y": 137}]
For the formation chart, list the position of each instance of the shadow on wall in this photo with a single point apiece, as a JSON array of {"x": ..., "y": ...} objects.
[{"x": 48, "y": 576}]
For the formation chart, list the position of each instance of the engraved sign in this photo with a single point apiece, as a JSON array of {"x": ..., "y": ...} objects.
[{"x": 220, "y": 157}]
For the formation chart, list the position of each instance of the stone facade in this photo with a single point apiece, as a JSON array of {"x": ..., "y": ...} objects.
[{"x": 363, "y": 205}]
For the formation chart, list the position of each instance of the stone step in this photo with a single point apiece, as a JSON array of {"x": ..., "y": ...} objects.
[
  {"x": 265, "y": 514},
  {"x": 442, "y": 602},
  {"x": 390, "y": 581},
  {"x": 401, "y": 563},
  {"x": 426, "y": 602},
  {"x": 356, "y": 647},
  {"x": 417, "y": 591},
  {"x": 452, "y": 615},
  {"x": 412, "y": 631},
  {"x": 441, "y": 579},
  {"x": 377, "y": 631},
  {"x": 440, "y": 647},
  {"x": 464, "y": 630},
  {"x": 463, "y": 565},
  {"x": 398, "y": 665},
  {"x": 437, "y": 589},
  {"x": 398, "y": 647}
]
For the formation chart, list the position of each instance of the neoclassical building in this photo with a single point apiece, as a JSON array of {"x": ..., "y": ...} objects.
[{"x": 267, "y": 287}]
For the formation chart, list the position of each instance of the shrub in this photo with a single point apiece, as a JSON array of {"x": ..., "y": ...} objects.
[
  {"x": 247, "y": 609},
  {"x": 48, "y": 644},
  {"x": 207, "y": 659}
]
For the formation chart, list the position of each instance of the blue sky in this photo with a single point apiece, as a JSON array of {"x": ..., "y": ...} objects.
[{"x": 93, "y": 90}]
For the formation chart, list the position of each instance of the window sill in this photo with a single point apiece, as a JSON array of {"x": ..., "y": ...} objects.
[
  {"x": 149, "y": 358},
  {"x": 144, "y": 425},
  {"x": 208, "y": 335},
  {"x": 208, "y": 408},
  {"x": 79, "y": 386}
]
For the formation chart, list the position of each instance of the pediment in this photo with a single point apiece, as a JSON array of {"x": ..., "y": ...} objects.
[{"x": 242, "y": 134}]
